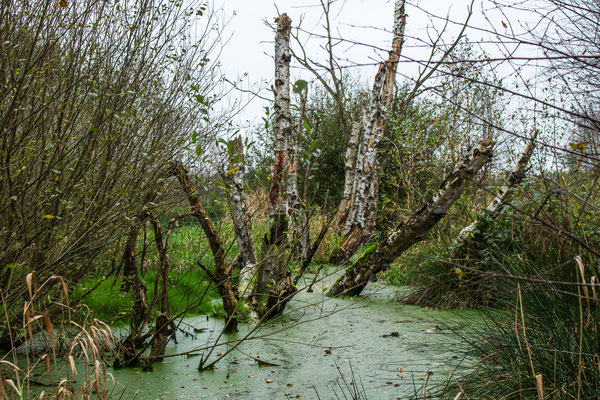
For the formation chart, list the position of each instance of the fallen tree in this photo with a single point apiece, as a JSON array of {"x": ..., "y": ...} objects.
[
  {"x": 457, "y": 279},
  {"x": 379, "y": 256}
]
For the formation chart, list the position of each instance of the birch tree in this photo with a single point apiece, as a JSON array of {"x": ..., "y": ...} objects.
[
  {"x": 416, "y": 228},
  {"x": 234, "y": 178},
  {"x": 272, "y": 268},
  {"x": 297, "y": 207},
  {"x": 362, "y": 213},
  {"x": 468, "y": 234}
]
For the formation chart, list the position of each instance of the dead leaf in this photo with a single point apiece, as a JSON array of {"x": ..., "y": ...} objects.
[
  {"x": 504, "y": 25},
  {"x": 269, "y": 380},
  {"x": 327, "y": 351}
]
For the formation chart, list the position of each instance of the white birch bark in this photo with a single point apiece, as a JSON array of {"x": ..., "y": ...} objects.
[
  {"x": 349, "y": 172},
  {"x": 361, "y": 220},
  {"x": 366, "y": 162},
  {"x": 514, "y": 179},
  {"x": 416, "y": 228},
  {"x": 297, "y": 209},
  {"x": 235, "y": 181},
  {"x": 271, "y": 272}
]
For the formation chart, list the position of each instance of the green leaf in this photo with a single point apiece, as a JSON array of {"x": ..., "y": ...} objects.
[{"x": 300, "y": 85}]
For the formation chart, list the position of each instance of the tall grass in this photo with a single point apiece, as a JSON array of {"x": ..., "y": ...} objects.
[
  {"x": 547, "y": 338},
  {"x": 51, "y": 328}
]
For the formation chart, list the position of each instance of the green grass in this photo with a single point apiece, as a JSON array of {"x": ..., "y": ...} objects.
[
  {"x": 112, "y": 305},
  {"x": 187, "y": 281}
]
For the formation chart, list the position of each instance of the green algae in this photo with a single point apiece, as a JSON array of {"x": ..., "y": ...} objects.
[{"x": 389, "y": 349}]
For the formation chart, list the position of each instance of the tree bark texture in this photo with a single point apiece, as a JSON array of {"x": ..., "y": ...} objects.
[
  {"x": 163, "y": 270},
  {"x": 133, "y": 282},
  {"x": 379, "y": 256},
  {"x": 296, "y": 207},
  {"x": 235, "y": 181},
  {"x": 163, "y": 330},
  {"x": 222, "y": 274},
  {"x": 349, "y": 173},
  {"x": 272, "y": 269},
  {"x": 472, "y": 231},
  {"x": 362, "y": 216}
]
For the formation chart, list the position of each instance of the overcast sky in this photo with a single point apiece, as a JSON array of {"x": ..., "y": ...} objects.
[{"x": 365, "y": 25}]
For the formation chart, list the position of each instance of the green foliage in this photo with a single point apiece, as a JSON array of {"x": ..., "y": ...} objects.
[
  {"x": 519, "y": 255},
  {"x": 550, "y": 332},
  {"x": 112, "y": 305},
  {"x": 93, "y": 107}
]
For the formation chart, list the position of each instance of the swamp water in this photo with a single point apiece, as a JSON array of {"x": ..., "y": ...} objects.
[{"x": 389, "y": 350}]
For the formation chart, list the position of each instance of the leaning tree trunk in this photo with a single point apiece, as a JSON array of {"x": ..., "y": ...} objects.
[
  {"x": 361, "y": 220},
  {"x": 222, "y": 274},
  {"x": 415, "y": 229},
  {"x": 234, "y": 179},
  {"x": 473, "y": 232},
  {"x": 271, "y": 277}
]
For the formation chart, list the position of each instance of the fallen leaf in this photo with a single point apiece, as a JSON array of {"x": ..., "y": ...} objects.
[
  {"x": 298, "y": 395},
  {"x": 402, "y": 370},
  {"x": 327, "y": 351},
  {"x": 289, "y": 385},
  {"x": 504, "y": 25},
  {"x": 269, "y": 380}
]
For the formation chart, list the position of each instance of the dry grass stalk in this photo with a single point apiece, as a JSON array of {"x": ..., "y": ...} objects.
[
  {"x": 91, "y": 341},
  {"x": 539, "y": 385}
]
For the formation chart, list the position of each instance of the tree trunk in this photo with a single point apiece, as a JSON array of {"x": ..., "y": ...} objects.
[
  {"x": 362, "y": 217},
  {"x": 234, "y": 179},
  {"x": 271, "y": 274},
  {"x": 222, "y": 275},
  {"x": 472, "y": 232},
  {"x": 131, "y": 280},
  {"x": 163, "y": 270},
  {"x": 297, "y": 208},
  {"x": 378, "y": 257},
  {"x": 349, "y": 170},
  {"x": 163, "y": 330}
]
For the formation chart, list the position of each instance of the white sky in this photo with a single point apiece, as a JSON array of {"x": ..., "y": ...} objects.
[{"x": 368, "y": 22}]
